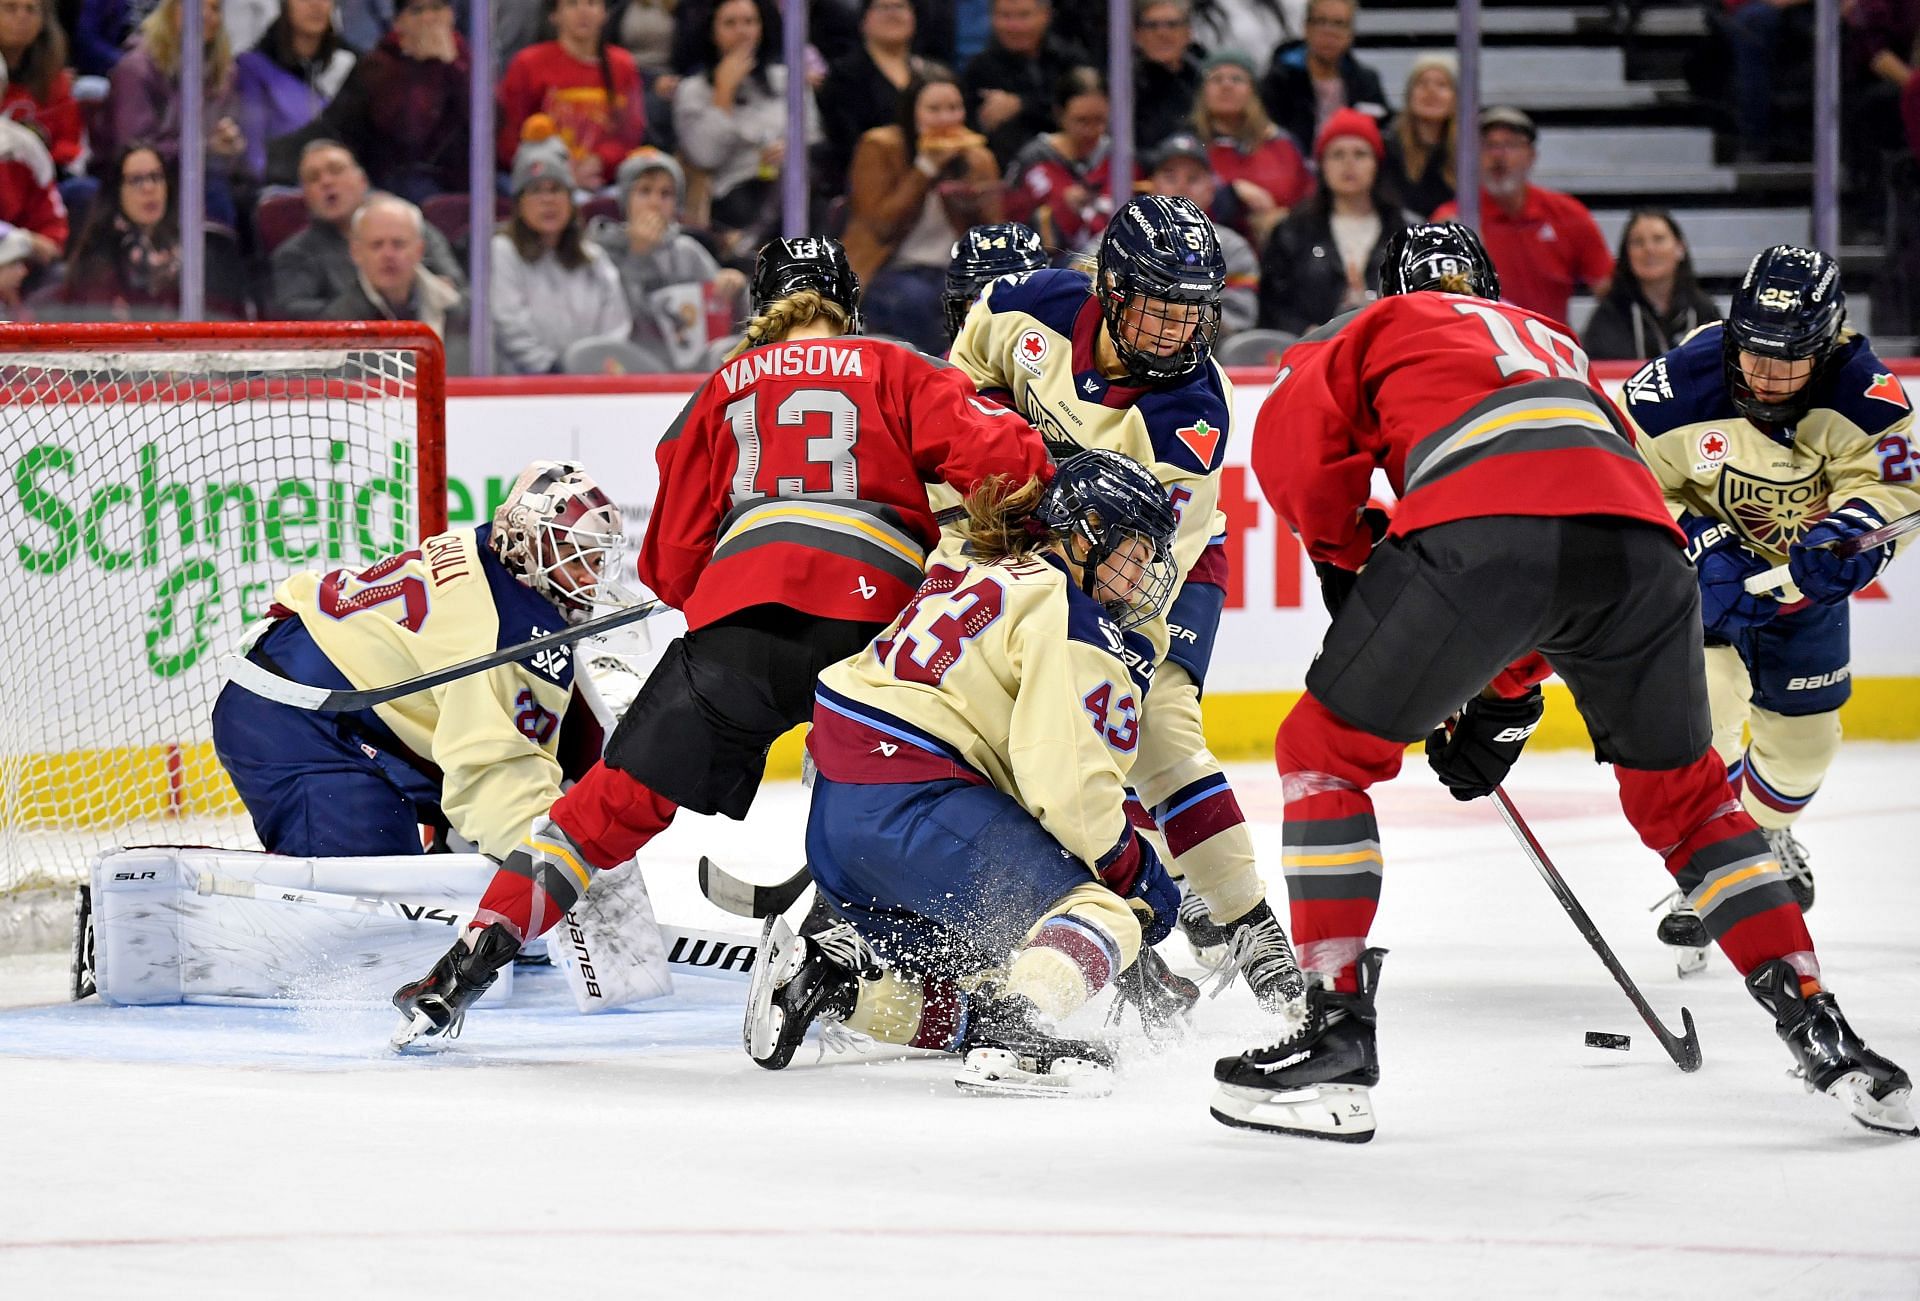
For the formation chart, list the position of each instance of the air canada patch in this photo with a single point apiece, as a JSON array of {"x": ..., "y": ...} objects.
[
  {"x": 1202, "y": 439},
  {"x": 1886, "y": 387},
  {"x": 1714, "y": 445},
  {"x": 1029, "y": 350}
]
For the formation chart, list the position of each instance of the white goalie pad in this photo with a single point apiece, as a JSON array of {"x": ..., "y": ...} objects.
[
  {"x": 174, "y": 925},
  {"x": 609, "y": 947}
]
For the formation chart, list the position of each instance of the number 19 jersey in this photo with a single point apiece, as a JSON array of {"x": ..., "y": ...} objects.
[
  {"x": 798, "y": 476},
  {"x": 1472, "y": 407}
]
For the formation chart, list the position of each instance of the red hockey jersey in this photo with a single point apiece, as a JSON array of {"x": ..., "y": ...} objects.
[
  {"x": 1472, "y": 407},
  {"x": 797, "y": 476}
]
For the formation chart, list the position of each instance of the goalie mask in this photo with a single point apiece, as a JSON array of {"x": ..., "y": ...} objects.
[
  {"x": 560, "y": 534},
  {"x": 1116, "y": 523}
]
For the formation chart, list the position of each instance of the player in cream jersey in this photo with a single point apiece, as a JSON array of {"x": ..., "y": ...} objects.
[
  {"x": 971, "y": 789},
  {"x": 484, "y": 752},
  {"x": 1770, "y": 434},
  {"x": 1122, "y": 361}
]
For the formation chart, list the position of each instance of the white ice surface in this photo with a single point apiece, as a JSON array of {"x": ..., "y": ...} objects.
[{"x": 203, "y": 1152}]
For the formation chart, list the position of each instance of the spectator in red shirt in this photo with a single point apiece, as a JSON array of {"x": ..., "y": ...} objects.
[
  {"x": 39, "y": 88},
  {"x": 33, "y": 220},
  {"x": 1258, "y": 164},
  {"x": 1543, "y": 243},
  {"x": 589, "y": 88}
]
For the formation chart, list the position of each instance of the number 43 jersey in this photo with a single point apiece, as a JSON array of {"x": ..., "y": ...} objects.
[
  {"x": 798, "y": 476},
  {"x": 1472, "y": 408}
]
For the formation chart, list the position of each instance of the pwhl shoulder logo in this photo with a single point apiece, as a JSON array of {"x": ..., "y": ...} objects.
[
  {"x": 1202, "y": 439},
  {"x": 1030, "y": 350},
  {"x": 1887, "y": 388}
]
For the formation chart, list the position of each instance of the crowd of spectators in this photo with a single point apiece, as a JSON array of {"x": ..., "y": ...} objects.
[{"x": 640, "y": 146}]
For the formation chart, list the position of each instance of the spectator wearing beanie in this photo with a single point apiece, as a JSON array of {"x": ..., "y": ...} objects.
[
  {"x": 1325, "y": 258},
  {"x": 1259, "y": 165},
  {"x": 1181, "y": 168},
  {"x": 1420, "y": 147},
  {"x": 1166, "y": 70},
  {"x": 290, "y": 76},
  {"x": 588, "y": 88},
  {"x": 1543, "y": 243},
  {"x": 664, "y": 271},
  {"x": 551, "y": 287}
]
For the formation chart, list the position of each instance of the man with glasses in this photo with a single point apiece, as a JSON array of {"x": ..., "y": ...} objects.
[
  {"x": 1312, "y": 79},
  {"x": 1166, "y": 70}
]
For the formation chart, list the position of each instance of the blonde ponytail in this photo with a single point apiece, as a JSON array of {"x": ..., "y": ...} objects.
[
  {"x": 998, "y": 513},
  {"x": 790, "y": 313}
]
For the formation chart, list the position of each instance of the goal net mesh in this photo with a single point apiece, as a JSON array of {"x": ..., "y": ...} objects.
[{"x": 159, "y": 483}]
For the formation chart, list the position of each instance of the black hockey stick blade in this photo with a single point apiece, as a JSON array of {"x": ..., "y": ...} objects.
[
  {"x": 263, "y": 682},
  {"x": 743, "y": 898},
  {"x": 1683, "y": 1048}
]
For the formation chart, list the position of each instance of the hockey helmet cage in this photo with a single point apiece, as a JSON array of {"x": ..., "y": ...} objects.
[
  {"x": 1104, "y": 499},
  {"x": 560, "y": 534},
  {"x": 1160, "y": 251},
  {"x": 982, "y": 256},
  {"x": 1790, "y": 306},
  {"x": 818, "y": 262},
  {"x": 1422, "y": 256}
]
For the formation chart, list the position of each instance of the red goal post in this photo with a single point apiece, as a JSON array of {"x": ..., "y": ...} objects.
[{"x": 160, "y": 479}]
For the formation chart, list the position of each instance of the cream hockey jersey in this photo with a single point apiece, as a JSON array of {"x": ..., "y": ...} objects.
[
  {"x": 1770, "y": 484},
  {"x": 1003, "y": 674},
  {"x": 495, "y": 736}
]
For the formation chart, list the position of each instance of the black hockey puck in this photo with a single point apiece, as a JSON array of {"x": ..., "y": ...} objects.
[{"x": 1601, "y": 1039}]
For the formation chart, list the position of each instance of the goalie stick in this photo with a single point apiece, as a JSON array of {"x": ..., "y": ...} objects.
[
  {"x": 726, "y": 891},
  {"x": 1683, "y": 1048},
  {"x": 263, "y": 682},
  {"x": 680, "y": 940},
  {"x": 1780, "y": 575}
]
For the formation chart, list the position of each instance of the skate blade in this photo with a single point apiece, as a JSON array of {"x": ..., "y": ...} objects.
[
  {"x": 417, "y": 1036},
  {"x": 1689, "y": 962},
  {"x": 1339, "y": 1113},
  {"x": 997, "y": 1073},
  {"x": 1889, "y": 1115},
  {"x": 774, "y": 964}
]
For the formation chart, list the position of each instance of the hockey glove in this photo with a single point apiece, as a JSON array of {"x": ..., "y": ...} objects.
[
  {"x": 1336, "y": 584},
  {"x": 1484, "y": 743},
  {"x": 1824, "y": 575},
  {"x": 1723, "y": 567}
]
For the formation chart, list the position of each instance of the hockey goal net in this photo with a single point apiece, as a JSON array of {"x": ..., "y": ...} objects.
[{"x": 160, "y": 480}]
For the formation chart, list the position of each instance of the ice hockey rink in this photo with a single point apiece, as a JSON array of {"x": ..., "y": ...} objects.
[{"x": 208, "y": 1152}]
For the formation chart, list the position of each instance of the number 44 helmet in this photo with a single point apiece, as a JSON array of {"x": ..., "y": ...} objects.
[
  {"x": 1789, "y": 307},
  {"x": 818, "y": 262},
  {"x": 982, "y": 256},
  {"x": 1106, "y": 500},
  {"x": 560, "y": 534},
  {"x": 1160, "y": 274},
  {"x": 1435, "y": 255}
]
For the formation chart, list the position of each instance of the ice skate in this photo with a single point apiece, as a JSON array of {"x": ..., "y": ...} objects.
[
  {"x": 1793, "y": 863},
  {"x": 436, "y": 1005},
  {"x": 1829, "y": 1056},
  {"x": 80, "y": 981},
  {"x": 1683, "y": 931},
  {"x": 1011, "y": 1051},
  {"x": 1162, "y": 997},
  {"x": 1207, "y": 938},
  {"x": 1260, "y": 952},
  {"x": 798, "y": 980},
  {"x": 1315, "y": 1082}
]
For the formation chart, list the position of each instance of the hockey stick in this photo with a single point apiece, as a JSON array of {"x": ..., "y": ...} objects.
[
  {"x": 1780, "y": 575},
  {"x": 685, "y": 946},
  {"x": 743, "y": 898},
  {"x": 261, "y": 681},
  {"x": 1685, "y": 1048}
]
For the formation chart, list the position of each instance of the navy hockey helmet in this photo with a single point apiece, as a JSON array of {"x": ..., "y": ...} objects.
[
  {"x": 1105, "y": 500},
  {"x": 817, "y": 262},
  {"x": 1789, "y": 307},
  {"x": 1422, "y": 256},
  {"x": 1159, "y": 276},
  {"x": 982, "y": 256}
]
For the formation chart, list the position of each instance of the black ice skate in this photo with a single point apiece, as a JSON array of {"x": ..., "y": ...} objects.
[
  {"x": 1011, "y": 1051},
  {"x": 1793, "y": 863},
  {"x": 80, "y": 982},
  {"x": 798, "y": 980},
  {"x": 436, "y": 1005},
  {"x": 1260, "y": 952},
  {"x": 1315, "y": 1081},
  {"x": 1829, "y": 1056},
  {"x": 1161, "y": 996},
  {"x": 1683, "y": 931},
  {"x": 1207, "y": 937}
]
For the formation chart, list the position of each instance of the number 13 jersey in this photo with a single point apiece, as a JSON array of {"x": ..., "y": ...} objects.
[
  {"x": 1472, "y": 408},
  {"x": 797, "y": 476}
]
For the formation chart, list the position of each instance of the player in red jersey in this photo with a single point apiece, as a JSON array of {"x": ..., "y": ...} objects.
[
  {"x": 791, "y": 526},
  {"x": 1529, "y": 536}
]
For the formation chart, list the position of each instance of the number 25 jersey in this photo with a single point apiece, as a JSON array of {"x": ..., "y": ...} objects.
[
  {"x": 798, "y": 476},
  {"x": 1472, "y": 408}
]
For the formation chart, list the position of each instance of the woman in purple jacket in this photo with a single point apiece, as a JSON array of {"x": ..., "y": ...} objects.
[{"x": 292, "y": 74}]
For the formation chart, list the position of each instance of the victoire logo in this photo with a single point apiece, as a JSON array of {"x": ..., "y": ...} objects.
[{"x": 197, "y": 532}]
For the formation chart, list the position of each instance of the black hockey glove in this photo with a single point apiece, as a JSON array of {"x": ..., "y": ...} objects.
[
  {"x": 1484, "y": 744},
  {"x": 1336, "y": 584}
]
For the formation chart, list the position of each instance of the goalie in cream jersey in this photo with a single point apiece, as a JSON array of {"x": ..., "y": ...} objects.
[
  {"x": 1771, "y": 434},
  {"x": 1122, "y": 361},
  {"x": 485, "y": 753}
]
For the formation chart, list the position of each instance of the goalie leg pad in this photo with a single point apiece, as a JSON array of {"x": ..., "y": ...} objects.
[{"x": 609, "y": 947}]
